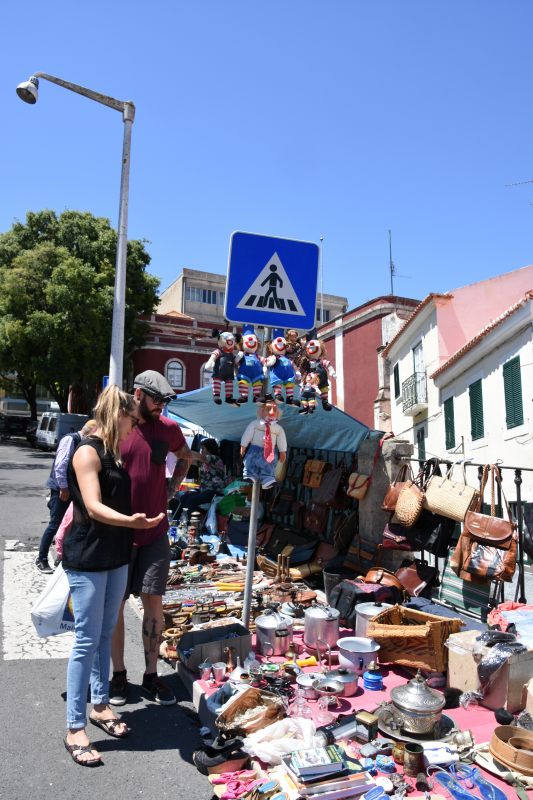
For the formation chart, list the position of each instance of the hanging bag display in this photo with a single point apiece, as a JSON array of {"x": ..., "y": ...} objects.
[
  {"x": 448, "y": 497},
  {"x": 329, "y": 487},
  {"x": 358, "y": 483},
  {"x": 409, "y": 504},
  {"x": 487, "y": 547},
  {"x": 314, "y": 471},
  {"x": 391, "y": 498}
]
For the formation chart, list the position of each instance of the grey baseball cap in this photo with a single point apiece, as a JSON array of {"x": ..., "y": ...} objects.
[{"x": 153, "y": 383}]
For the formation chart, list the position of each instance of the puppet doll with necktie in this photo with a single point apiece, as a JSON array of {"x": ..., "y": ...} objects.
[{"x": 260, "y": 441}]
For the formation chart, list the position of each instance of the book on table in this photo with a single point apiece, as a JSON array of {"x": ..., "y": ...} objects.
[
  {"x": 317, "y": 760},
  {"x": 352, "y": 778}
]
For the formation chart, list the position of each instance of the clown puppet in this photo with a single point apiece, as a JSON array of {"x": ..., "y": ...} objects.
[
  {"x": 281, "y": 371},
  {"x": 250, "y": 366},
  {"x": 309, "y": 390},
  {"x": 318, "y": 364},
  {"x": 222, "y": 362}
]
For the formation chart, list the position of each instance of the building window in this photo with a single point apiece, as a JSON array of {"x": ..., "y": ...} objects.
[
  {"x": 175, "y": 374},
  {"x": 221, "y": 298},
  {"x": 512, "y": 387},
  {"x": 421, "y": 443},
  {"x": 475, "y": 392},
  {"x": 205, "y": 376},
  {"x": 449, "y": 423},
  {"x": 397, "y": 389},
  {"x": 324, "y": 317},
  {"x": 197, "y": 295}
]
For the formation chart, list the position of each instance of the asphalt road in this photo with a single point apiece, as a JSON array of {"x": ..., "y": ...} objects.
[{"x": 153, "y": 763}]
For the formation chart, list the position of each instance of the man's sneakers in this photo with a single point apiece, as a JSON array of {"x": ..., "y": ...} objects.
[
  {"x": 157, "y": 690},
  {"x": 118, "y": 689},
  {"x": 43, "y": 566},
  {"x": 152, "y": 684}
]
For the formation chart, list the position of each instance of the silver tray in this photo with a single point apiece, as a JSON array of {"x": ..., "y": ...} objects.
[{"x": 446, "y": 725}]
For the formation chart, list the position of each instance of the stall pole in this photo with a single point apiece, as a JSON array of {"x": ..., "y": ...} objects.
[{"x": 250, "y": 560}]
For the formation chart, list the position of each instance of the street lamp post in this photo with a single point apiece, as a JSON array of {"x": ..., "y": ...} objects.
[{"x": 28, "y": 91}]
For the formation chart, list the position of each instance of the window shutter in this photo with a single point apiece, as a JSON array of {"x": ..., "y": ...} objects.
[
  {"x": 512, "y": 387},
  {"x": 396, "y": 381},
  {"x": 449, "y": 423},
  {"x": 476, "y": 410}
]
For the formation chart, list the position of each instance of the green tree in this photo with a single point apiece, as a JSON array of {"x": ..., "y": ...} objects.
[{"x": 56, "y": 303}]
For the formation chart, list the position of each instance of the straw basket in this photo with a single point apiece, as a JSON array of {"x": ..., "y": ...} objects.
[{"x": 412, "y": 638}]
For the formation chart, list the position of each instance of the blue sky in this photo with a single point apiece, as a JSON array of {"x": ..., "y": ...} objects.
[{"x": 297, "y": 118}]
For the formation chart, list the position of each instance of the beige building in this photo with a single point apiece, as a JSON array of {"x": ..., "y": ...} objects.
[{"x": 201, "y": 295}]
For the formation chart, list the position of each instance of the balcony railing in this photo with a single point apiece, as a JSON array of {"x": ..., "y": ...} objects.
[{"x": 414, "y": 394}]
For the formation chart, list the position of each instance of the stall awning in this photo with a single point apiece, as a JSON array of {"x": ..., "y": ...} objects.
[{"x": 323, "y": 430}]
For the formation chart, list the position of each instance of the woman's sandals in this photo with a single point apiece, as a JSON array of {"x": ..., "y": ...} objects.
[
  {"x": 78, "y": 750},
  {"x": 110, "y": 726}
]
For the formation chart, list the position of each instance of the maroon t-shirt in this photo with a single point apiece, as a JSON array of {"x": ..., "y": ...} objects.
[{"x": 144, "y": 456}]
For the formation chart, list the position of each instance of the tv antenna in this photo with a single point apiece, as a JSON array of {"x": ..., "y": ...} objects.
[{"x": 392, "y": 266}]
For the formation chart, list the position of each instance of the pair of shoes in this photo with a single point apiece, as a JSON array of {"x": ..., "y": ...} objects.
[
  {"x": 211, "y": 760},
  {"x": 268, "y": 484},
  {"x": 110, "y": 726},
  {"x": 43, "y": 566},
  {"x": 77, "y": 750},
  {"x": 118, "y": 689},
  {"x": 158, "y": 690}
]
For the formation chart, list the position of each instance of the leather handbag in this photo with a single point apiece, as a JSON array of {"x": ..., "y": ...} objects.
[
  {"x": 314, "y": 471},
  {"x": 449, "y": 498},
  {"x": 316, "y": 518},
  {"x": 409, "y": 504},
  {"x": 416, "y": 576},
  {"x": 329, "y": 487},
  {"x": 487, "y": 547},
  {"x": 391, "y": 498},
  {"x": 384, "y": 577},
  {"x": 394, "y": 537}
]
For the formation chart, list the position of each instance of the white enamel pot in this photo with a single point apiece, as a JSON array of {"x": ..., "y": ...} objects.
[{"x": 356, "y": 652}]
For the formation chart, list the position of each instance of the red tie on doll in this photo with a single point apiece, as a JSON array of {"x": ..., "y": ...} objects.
[{"x": 268, "y": 450}]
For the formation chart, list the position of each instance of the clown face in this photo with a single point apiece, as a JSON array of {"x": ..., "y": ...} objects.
[
  {"x": 279, "y": 346},
  {"x": 250, "y": 343},
  {"x": 226, "y": 342},
  {"x": 313, "y": 348}
]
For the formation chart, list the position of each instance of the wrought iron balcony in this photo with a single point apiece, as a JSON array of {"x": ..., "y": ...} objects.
[{"x": 414, "y": 394}]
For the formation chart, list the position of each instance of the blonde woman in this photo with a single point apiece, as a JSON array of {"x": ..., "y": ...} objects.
[{"x": 96, "y": 554}]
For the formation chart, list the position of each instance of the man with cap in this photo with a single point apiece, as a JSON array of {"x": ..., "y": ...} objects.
[{"x": 144, "y": 455}]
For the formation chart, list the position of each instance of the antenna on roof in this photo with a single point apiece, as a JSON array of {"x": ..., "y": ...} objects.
[{"x": 392, "y": 266}]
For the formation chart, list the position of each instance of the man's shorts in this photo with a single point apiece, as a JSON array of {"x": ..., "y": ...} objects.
[{"x": 149, "y": 567}]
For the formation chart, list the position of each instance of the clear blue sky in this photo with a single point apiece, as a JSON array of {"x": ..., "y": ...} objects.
[{"x": 295, "y": 118}]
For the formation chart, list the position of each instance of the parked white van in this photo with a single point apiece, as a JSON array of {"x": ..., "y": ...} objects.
[{"x": 54, "y": 425}]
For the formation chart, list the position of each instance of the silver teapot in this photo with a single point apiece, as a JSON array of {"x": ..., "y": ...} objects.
[{"x": 417, "y": 708}]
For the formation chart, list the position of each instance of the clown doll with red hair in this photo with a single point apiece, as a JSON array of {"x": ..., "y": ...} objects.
[
  {"x": 281, "y": 371},
  {"x": 250, "y": 366}
]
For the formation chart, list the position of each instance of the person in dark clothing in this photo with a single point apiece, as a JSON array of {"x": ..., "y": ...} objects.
[{"x": 96, "y": 554}]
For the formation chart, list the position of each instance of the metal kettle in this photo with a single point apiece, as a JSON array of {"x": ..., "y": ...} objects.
[
  {"x": 321, "y": 623},
  {"x": 273, "y": 631}
]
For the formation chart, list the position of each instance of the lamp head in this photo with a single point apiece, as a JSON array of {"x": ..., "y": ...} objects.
[{"x": 28, "y": 90}]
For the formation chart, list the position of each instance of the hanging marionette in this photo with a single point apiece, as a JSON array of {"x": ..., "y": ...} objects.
[
  {"x": 222, "y": 362},
  {"x": 295, "y": 347},
  {"x": 250, "y": 366},
  {"x": 281, "y": 371},
  {"x": 315, "y": 352}
]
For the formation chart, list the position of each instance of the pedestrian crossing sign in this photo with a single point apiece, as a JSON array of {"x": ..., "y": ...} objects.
[{"x": 271, "y": 281}]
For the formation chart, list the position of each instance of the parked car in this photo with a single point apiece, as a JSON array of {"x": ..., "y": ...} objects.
[
  {"x": 54, "y": 425},
  {"x": 13, "y": 425},
  {"x": 31, "y": 432}
]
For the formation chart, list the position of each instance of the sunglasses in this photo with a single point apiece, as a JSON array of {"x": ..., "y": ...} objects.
[{"x": 158, "y": 399}]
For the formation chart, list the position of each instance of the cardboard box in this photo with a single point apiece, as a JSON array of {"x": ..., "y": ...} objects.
[
  {"x": 195, "y": 647},
  {"x": 507, "y": 690}
]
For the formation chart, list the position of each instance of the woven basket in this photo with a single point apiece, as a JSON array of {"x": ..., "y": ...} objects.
[
  {"x": 412, "y": 638},
  {"x": 409, "y": 504}
]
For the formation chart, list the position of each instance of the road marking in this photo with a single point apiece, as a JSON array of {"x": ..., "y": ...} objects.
[{"x": 23, "y": 584}]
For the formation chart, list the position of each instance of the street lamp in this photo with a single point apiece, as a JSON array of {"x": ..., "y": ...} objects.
[{"x": 28, "y": 91}]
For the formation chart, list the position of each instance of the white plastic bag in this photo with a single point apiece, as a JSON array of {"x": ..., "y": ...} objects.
[
  {"x": 52, "y": 613},
  {"x": 281, "y": 738}
]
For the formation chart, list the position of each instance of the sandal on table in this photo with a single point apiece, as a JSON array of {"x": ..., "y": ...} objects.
[
  {"x": 77, "y": 750},
  {"x": 110, "y": 725}
]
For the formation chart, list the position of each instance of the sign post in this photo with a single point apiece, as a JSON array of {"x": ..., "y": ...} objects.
[{"x": 271, "y": 282}]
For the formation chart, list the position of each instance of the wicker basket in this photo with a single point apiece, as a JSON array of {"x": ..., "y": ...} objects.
[{"x": 412, "y": 638}]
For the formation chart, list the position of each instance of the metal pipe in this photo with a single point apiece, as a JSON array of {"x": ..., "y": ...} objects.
[
  {"x": 252, "y": 539},
  {"x": 520, "y": 586}
]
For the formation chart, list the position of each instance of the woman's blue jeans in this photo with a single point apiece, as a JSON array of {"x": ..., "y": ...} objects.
[{"x": 96, "y": 599}]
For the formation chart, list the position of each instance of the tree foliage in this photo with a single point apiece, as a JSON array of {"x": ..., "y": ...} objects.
[{"x": 56, "y": 302}]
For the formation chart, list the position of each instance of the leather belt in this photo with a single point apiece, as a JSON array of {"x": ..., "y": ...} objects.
[{"x": 513, "y": 747}]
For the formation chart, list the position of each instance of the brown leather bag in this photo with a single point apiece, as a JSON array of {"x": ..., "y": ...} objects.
[
  {"x": 314, "y": 471},
  {"x": 330, "y": 487},
  {"x": 383, "y": 576},
  {"x": 390, "y": 499},
  {"x": 487, "y": 547},
  {"x": 415, "y": 576},
  {"x": 316, "y": 518}
]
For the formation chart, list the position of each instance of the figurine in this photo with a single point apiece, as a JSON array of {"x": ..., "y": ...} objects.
[
  {"x": 309, "y": 390},
  {"x": 250, "y": 368},
  {"x": 295, "y": 347},
  {"x": 259, "y": 442},
  {"x": 315, "y": 352},
  {"x": 222, "y": 362},
  {"x": 281, "y": 371}
]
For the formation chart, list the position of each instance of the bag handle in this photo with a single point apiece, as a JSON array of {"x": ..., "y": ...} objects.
[
  {"x": 496, "y": 475},
  {"x": 377, "y": 454},
  {"x": 484, "y": 478}
]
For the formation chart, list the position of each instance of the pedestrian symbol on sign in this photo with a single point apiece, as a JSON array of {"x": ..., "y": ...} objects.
[{"x": 272, "y": 290}]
